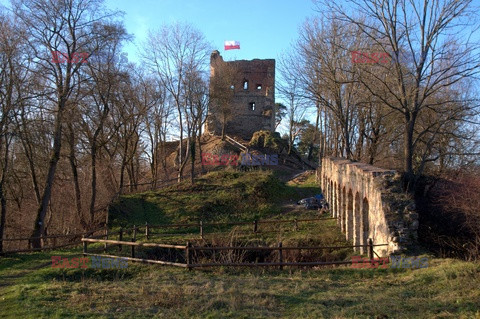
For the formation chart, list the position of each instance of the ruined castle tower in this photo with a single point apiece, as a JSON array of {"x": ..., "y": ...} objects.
[{"x": 245, "y": 100}]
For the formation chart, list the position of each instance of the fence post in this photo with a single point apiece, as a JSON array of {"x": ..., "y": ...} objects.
[
  {"x": 296, "y": 224},
  {"x": 84, "y": 246},
  {"x": 188, "y": 257},
  {"x": 255, "y": 226},
  {"x": 120, "y": 238},
  {"x": 134, "y": 238},
  {"x": 106, "y": 237},
  {"x": 370, "y": 249},
  {"x": 280, "y": 254},
  {"x": 146, "y": 230},
  {"x": 201, "y": 229}
]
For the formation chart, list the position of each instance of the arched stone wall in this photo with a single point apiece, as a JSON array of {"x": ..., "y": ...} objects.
[
  {"x": 356, "y": 221},
  {"x": 339, "y": 203},
  {"x": 333, "y": 203},
  {"x": 364, "y": 226},
  {"x": 330, "y": 192},
  {"x": 368, "y": 202},
  {"x": 350, "y": 215}
]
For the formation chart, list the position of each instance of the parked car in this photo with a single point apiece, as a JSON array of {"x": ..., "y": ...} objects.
[
  {"x": 315, "y": 202},
  {"x": 309, "y": 203}
]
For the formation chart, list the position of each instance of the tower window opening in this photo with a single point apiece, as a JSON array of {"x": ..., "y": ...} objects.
[
  {"x": 252, "y": 106},
  {"x": 245, "y": 85},
  {"x": 259, "y": 86}
]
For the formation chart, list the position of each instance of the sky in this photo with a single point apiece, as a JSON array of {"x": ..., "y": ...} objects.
[{"x": 264, "y": 28}]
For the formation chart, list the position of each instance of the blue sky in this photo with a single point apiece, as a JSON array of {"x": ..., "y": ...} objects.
[{"x": 265, "y": 28}]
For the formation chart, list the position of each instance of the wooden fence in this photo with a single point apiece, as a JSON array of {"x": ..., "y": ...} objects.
[
  {"x": 188, "y": 249},
  {"x": 202, "y": 226},
  {"x": 54, "y": 237}
]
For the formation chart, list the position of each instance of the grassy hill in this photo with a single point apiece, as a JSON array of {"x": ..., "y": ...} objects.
[
  {"x": 31, "y": 288},
  {"x": 220, "y": 196}
]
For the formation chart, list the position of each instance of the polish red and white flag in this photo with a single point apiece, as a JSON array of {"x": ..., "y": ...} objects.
[{"x": 231, "y": 45}]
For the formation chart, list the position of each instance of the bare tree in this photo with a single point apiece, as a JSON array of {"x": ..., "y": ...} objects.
[
  {"x": 171, "y": 53},
  {"x": 291, "y": 89},
  {"x": 10, "y": 83},
  {"x": 196, "y": 96},
  {"x": 326, "y": 80},
  {"x": 426, "y": 32},
  {"x": 67, "y": 27},
  {"x": 129, "y": 114},
  {"x": 105, "y": 78},
  {"x": 157, "y": 122}
]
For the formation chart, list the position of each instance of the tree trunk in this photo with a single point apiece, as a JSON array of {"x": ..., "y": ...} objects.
[
  {"x": 122, "y": 168},
  {"x": 224, "y": 124},
  {"x": 93, "y": 196},
  {"x": 3, "y": 199},
  {"x": 76, "y": 184},
  {"x": 3, "y": 213},
  {"x": 39, "y": 227},
  {"x": 182, "y": 166},
  {"x": 27, "y": 147},
  {"x": 192, "y": 156},
  {"x": 180, "y": 147},
  {"x": 200, "y": 146},
  {"x": 315, "y": 132},
  {"x": 408, "y": 153},
  {"x": 361, "y": 134}
]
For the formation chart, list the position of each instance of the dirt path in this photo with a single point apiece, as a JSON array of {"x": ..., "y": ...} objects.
[{"x": 290, "y": 205}]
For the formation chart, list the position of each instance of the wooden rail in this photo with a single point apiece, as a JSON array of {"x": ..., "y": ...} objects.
[
  {"x": 272, "y": 264},
  {"x": 149, "y": 261},
  {"x": 202, "y": 225},
  {"x": 128, "y": 243},
  {"x": 235, "y": 143},
  {"x": 189, "y": 249},
  {"x": 54, "y": 237}
]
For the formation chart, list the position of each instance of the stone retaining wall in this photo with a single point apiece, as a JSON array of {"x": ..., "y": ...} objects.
[{"x": 368, "y": 202}]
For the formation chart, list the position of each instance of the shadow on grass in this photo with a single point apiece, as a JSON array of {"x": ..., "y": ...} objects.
[
  {"x": 80, "y": 275},
  {"x": 30, "y": 261}
]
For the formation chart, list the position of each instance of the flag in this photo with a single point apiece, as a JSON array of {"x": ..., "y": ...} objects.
[{"x": 230, "y": 45}]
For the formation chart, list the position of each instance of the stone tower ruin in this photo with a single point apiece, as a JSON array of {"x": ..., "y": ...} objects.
[{"x": 251, "y": 99}]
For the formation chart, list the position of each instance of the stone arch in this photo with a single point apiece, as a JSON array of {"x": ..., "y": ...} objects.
[
  {"x": 333, "y": 204},
  {"x": 327, "y": 189},
  {"x": 339, "y": 203},
  {"x": 364, "y": 225},
  {"x": 330, "y": 200},
  {"x": 357, "y": 221},
  {"x": 365, "y": 209},
  {"x": 325, "y": 193},
  {"x": 350, "y": 215}
]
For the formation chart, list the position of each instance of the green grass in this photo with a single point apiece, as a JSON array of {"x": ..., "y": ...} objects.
[
  {"x": 447, "y": 289},
  {"x": 30, "y": 288},
  {"x": 218, "y": 196},
  {"x": 229, "y": 196},
  {"x": 223, "y": 196}
]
